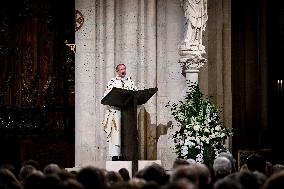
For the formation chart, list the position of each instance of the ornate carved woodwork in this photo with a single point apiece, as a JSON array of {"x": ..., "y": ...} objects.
[
  {"x": 32, "y": 122},
  {"x": 60, "y": 151},
  {"x": 37, "y": 71}
]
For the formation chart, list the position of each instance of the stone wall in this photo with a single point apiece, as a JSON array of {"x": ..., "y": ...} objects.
[{"x": 144, "y": 35}]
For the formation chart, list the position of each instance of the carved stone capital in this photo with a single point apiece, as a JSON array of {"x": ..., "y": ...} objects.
[{"x": 191, "y": 60}]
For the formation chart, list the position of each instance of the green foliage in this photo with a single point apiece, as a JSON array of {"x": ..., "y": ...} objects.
[{"x": 200, "y": 134}]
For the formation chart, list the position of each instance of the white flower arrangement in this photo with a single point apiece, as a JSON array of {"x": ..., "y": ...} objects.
[{"x": 200, "y": 134}]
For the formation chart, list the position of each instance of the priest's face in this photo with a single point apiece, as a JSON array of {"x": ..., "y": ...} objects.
[{"x": 121, "y": 71}]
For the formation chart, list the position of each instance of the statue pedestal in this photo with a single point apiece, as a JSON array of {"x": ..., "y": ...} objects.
[{"x": 191, "y": 62}]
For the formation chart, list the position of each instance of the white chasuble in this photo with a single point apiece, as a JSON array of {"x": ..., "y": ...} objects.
[{"x": 112, "y": 119}]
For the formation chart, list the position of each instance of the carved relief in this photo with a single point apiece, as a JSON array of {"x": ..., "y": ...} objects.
[
  {"x": 79, "y": 20},
  {"x": 192, "y": 61}
]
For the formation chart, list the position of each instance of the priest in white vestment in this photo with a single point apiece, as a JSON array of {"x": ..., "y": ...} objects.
[{"x": 112, "y": 119}]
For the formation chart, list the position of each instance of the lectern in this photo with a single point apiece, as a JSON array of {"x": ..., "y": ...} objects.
[{"x": 127, "y": 101}]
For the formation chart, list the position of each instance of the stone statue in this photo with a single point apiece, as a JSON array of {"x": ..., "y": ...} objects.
[{"x": 195, "y": 12}]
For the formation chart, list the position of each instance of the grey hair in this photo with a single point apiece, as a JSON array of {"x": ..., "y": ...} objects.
[{"x": 222, "y": 165}]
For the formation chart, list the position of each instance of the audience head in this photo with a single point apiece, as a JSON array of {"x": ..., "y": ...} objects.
[
  {"x": 191, "y": 161},
  {"x": 221, "y": 167},
  {"x": 260, "y": 177},
  {"x": 180, "y": 162},
  {"x": 277, "y": 168},
  {"x": 231, "y": 158},
  {"x": 34, "y": 180},
  {"x": 91, "y": 177},
  {"x": 180, "y": 184},
  {"x": 228, "y": 182},
  {"x": 151, "y": 185},
  {"x": 51, "y": 168},
  {"x": 71, "y": 184},
  {"x": 25, "y": 171},
  {"x": 197, "y": 174},
  {"x": 268, "y": 169},
  {"x": 137, "y": 182},
  {"x": 185, "y": 172},
  {"x": 275, "y": 181},
  {"x": 256, "y": 162},
  {"x": 33, "y": 163},
  {"x": 124, "y": 173},
  {"x": 65, "y": 175},
  {"x": 10, "y": 167},
  {"x": 239, "y": 180},
  {"x": 155, "y": 172},
  {"x": 204, "y": 175},
  {"x": 113, "y": 177},
  {"x": 139, "y": 174},
  {"x": 247, "y": 179},
  {"x": 123, "y": 185},
  {"x": 244, "y": 167},
  {"x": 8, "y": 180},
  {"x": 50, "y": 181}
]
